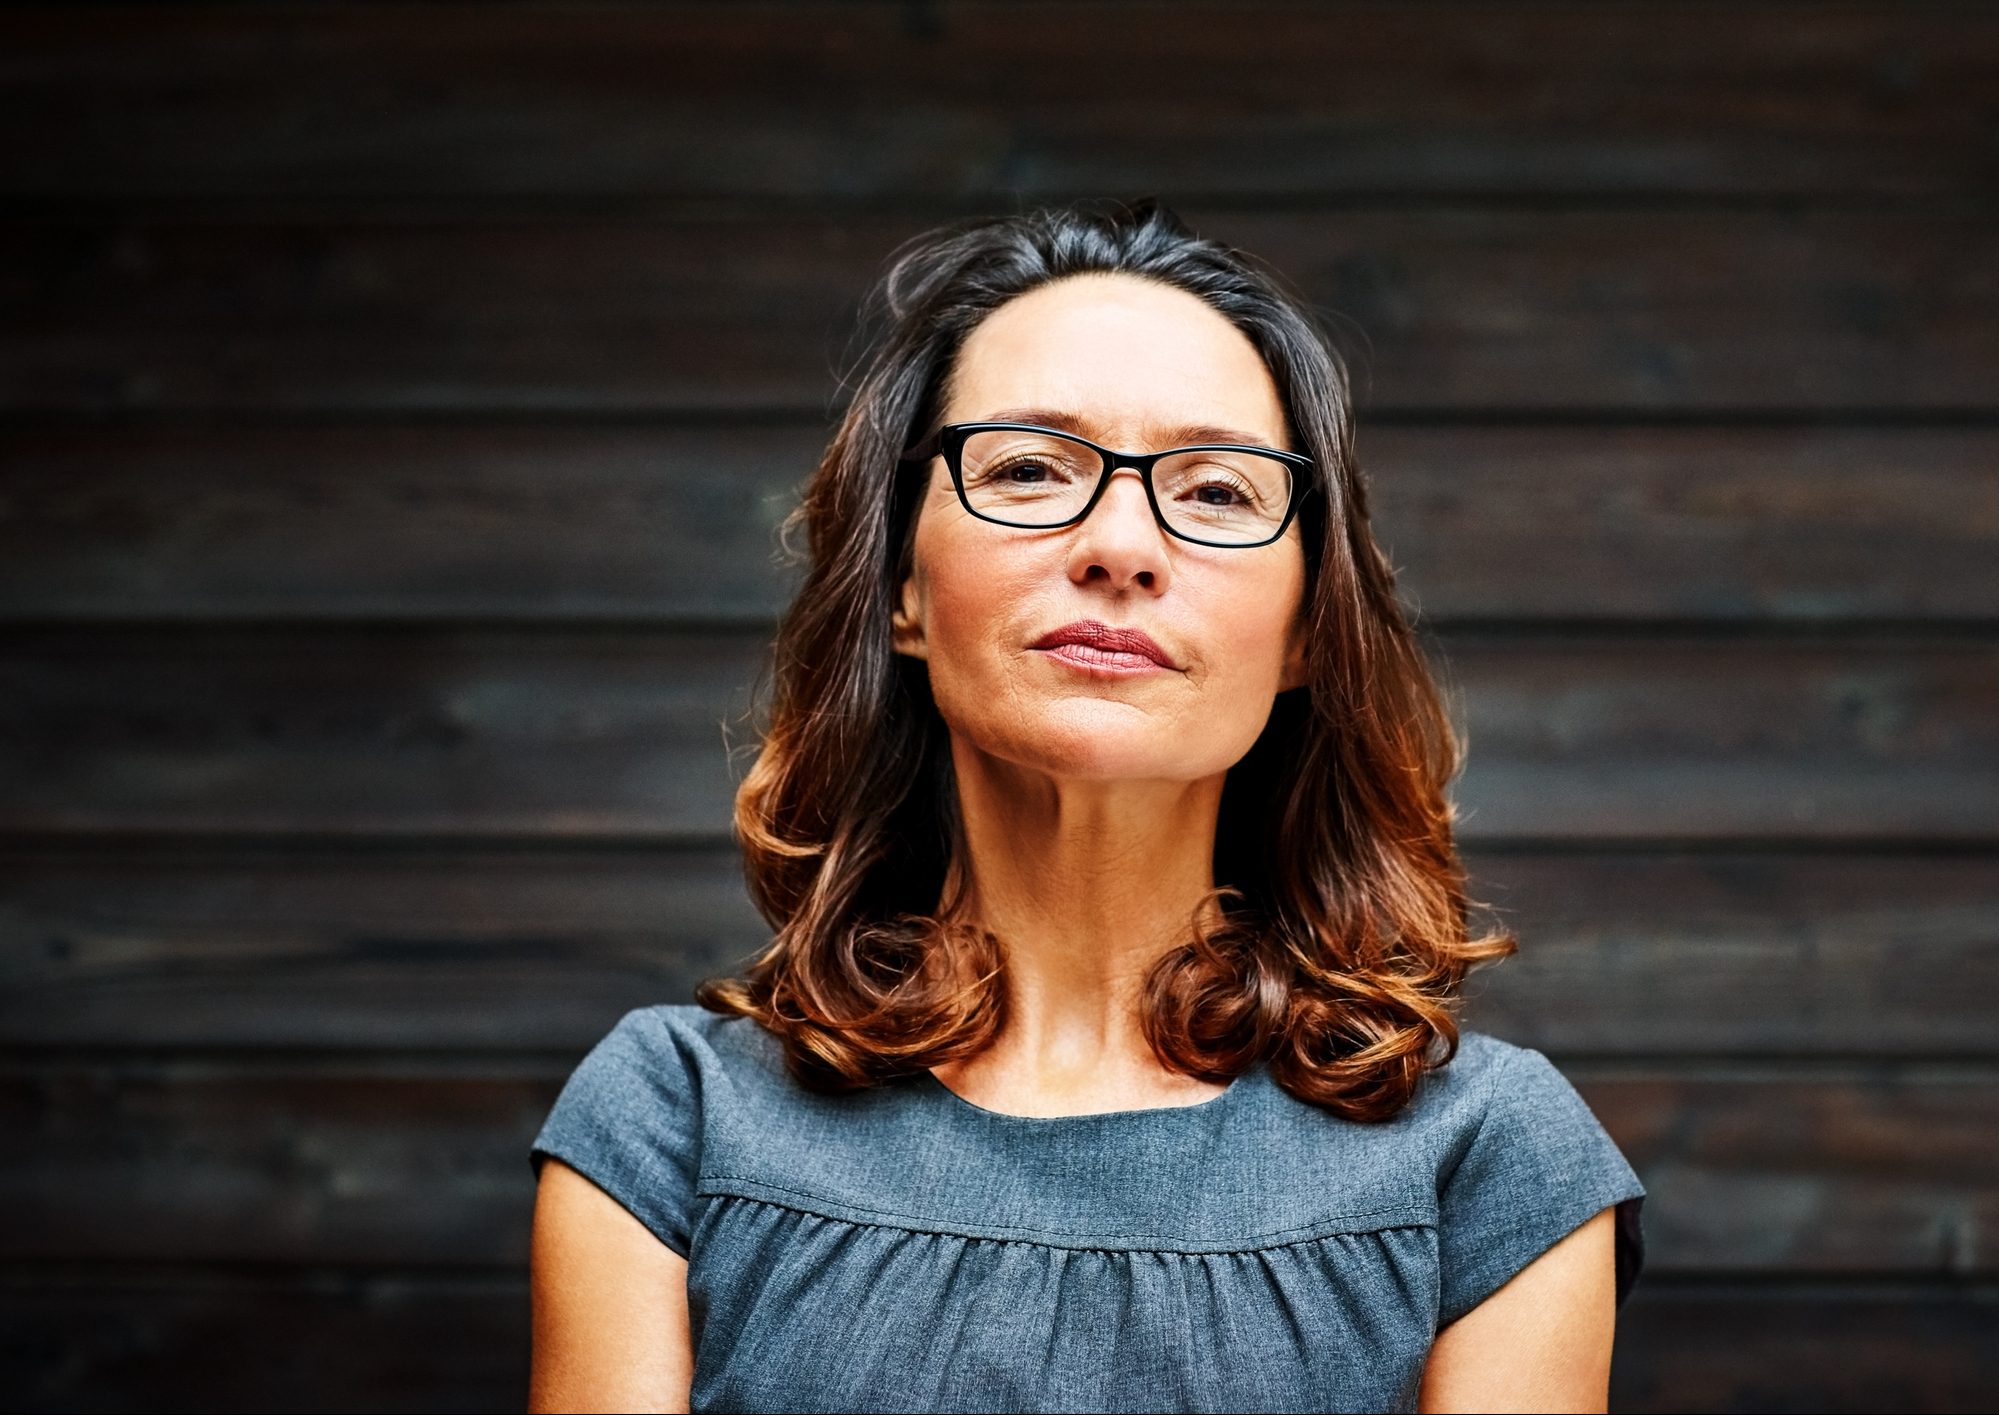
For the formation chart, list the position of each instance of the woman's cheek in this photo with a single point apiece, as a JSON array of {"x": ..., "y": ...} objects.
[{"x": 965, "y": 668}]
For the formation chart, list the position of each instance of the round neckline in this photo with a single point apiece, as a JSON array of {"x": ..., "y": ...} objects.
[{"x": 928, "y": 1077}]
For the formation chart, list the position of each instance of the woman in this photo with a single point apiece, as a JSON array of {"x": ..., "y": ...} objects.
[{"x": 1105, "y": 1055}]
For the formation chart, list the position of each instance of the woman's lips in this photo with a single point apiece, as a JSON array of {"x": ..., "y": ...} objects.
[
  {"x": 1102, "y": 663},
  {"x": 1110, "y": 645}
]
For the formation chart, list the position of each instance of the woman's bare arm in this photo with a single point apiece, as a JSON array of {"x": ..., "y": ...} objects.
[
  {"x": 610, "y": 1304},
  {"x": 1542, "y": 1341}
]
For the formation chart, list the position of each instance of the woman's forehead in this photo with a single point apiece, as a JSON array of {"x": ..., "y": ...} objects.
[
  {"x": 1124, "y": 354},
  {"x": 1084, "y": 423}
]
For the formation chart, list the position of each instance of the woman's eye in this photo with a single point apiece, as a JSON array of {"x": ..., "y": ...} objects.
[
  {"x": 1024, "y": 471},
  {"x": 1225, "y": 495}
]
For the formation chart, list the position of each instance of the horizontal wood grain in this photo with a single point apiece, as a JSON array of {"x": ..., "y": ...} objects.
[
  {"x": 406, "y": 522},
  {"x": 368, "y": 1163},
  {"x": 534, "y": 948},
  {"x": 1511, "y": 309},
  {"x": 1680, "y": 737},
  {"x": 1621, "y": 953},
  {"x": 220, "y": 1341},
  {"x": 1751, "y": 1170},
  {"x": 1736, "y": 524},
  {"x": 573, "y": 736},
  {"x": 1861, "y": 1169},
  {"x": 1713, "y": 1346},
  {"x": 588, "y": 733},
  {"x": 991, "y": 100},
  {"x": 1765, "y": 952},
  {"x": 533, "y": 522}
]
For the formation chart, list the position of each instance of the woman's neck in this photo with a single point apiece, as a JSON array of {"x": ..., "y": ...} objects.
[{"x": 1086, "y": 884}]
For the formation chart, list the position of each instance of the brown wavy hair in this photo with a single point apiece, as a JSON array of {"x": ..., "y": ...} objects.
[{"x": 1336, "y": 940}]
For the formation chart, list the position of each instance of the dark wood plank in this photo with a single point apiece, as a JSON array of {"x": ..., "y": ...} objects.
[
  {"x": 404, "y": 522},
  {"x": 180, "y": 1340},
  {"x": 1745, "y": 954},
  {"x": 583, "y": 733},
  {"x": 1757, "y": 1169},
  {"x": 1490, "y": 309},
  {"x": 1863, "y": 1348},
  {"x": 546, "y": 316},
  {"x": 546, "y": 522},
  {"x": 215, "y": 1341},
  {"x": 1679, "y": 737},
  {"x": 1861, "y": 1169},
  {"x": 576, "y": 734},
  {"x": 1658, "y": 522},
  {"x": 992, "y": 100},
  {"x": 357, "y": 1162},
  {"x": 427, "y": 949},
  {"x": 1621, "y": 953}
]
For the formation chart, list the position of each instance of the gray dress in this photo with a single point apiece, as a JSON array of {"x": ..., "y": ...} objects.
[{"x": 901, "y": 1248}]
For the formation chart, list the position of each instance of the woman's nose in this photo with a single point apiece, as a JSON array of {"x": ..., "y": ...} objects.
[
  {"x": 1120, "y": 537},
  {"x": 1124, "y": 500}
]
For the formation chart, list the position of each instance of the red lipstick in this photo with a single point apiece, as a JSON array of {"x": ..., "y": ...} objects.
[{"x": 1097, "y": 647}]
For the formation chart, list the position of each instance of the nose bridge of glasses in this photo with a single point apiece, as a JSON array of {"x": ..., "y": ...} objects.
[{"x": 1134, "y": 472}]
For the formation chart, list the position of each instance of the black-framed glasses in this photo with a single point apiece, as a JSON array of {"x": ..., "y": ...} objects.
[{"x": 1035, "y": 478}]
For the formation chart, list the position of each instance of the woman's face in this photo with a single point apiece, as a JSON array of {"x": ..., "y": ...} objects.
[{"x": 1135, "y": 363}]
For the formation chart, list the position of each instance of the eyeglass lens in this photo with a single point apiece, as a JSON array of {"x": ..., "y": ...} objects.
[{"x": 1034, "y": 479}]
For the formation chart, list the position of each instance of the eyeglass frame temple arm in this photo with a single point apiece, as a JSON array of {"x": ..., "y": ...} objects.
[{"x": 926, "y": 449}]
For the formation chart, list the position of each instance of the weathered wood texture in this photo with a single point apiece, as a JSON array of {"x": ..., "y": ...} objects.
[
  {"x": 177, "y": 1339},
  {"x": 531, "y": 522},
  {"x": 398, "y": 409},
  {"x": 1830, "y": 1348},
  {"x": 1489, "y": 309},
  {"x": 805, "y": 102}
]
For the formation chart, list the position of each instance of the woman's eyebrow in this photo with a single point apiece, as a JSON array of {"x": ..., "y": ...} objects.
[{"x": 1184, "y": 435}]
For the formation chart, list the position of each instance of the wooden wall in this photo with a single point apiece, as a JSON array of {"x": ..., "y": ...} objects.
[{"x": 366, "y": 638}]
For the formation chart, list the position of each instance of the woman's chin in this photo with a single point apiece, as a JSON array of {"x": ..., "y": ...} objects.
[{"x": 1106, "y": 750}]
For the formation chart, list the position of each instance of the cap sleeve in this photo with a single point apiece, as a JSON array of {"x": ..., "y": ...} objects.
[
  {"x": 1538, "y": 1166},
  {"x": 628, "y": 1119}
]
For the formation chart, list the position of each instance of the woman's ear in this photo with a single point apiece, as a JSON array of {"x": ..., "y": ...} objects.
[{"x": 906, "y": 623}]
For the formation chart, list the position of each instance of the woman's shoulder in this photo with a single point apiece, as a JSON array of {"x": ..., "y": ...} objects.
[
  {"x": 661, "y": 1069},
  {"x": 639, "y": 1110},
  {"x": 687, "y": 1030},
  {"x": 1525, "y": 1161},
  {"x": 1452, "y": 1099},
  {"x": 683, "y": 1056},
  {"x": 1493, "y": 1091},
  {"x": 1484, "y": 1070},
  {"x": 1506, "y": 1083},
  {"x": 1477, "y": 1066},
  {"x": 1492, "y": 1110}
]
